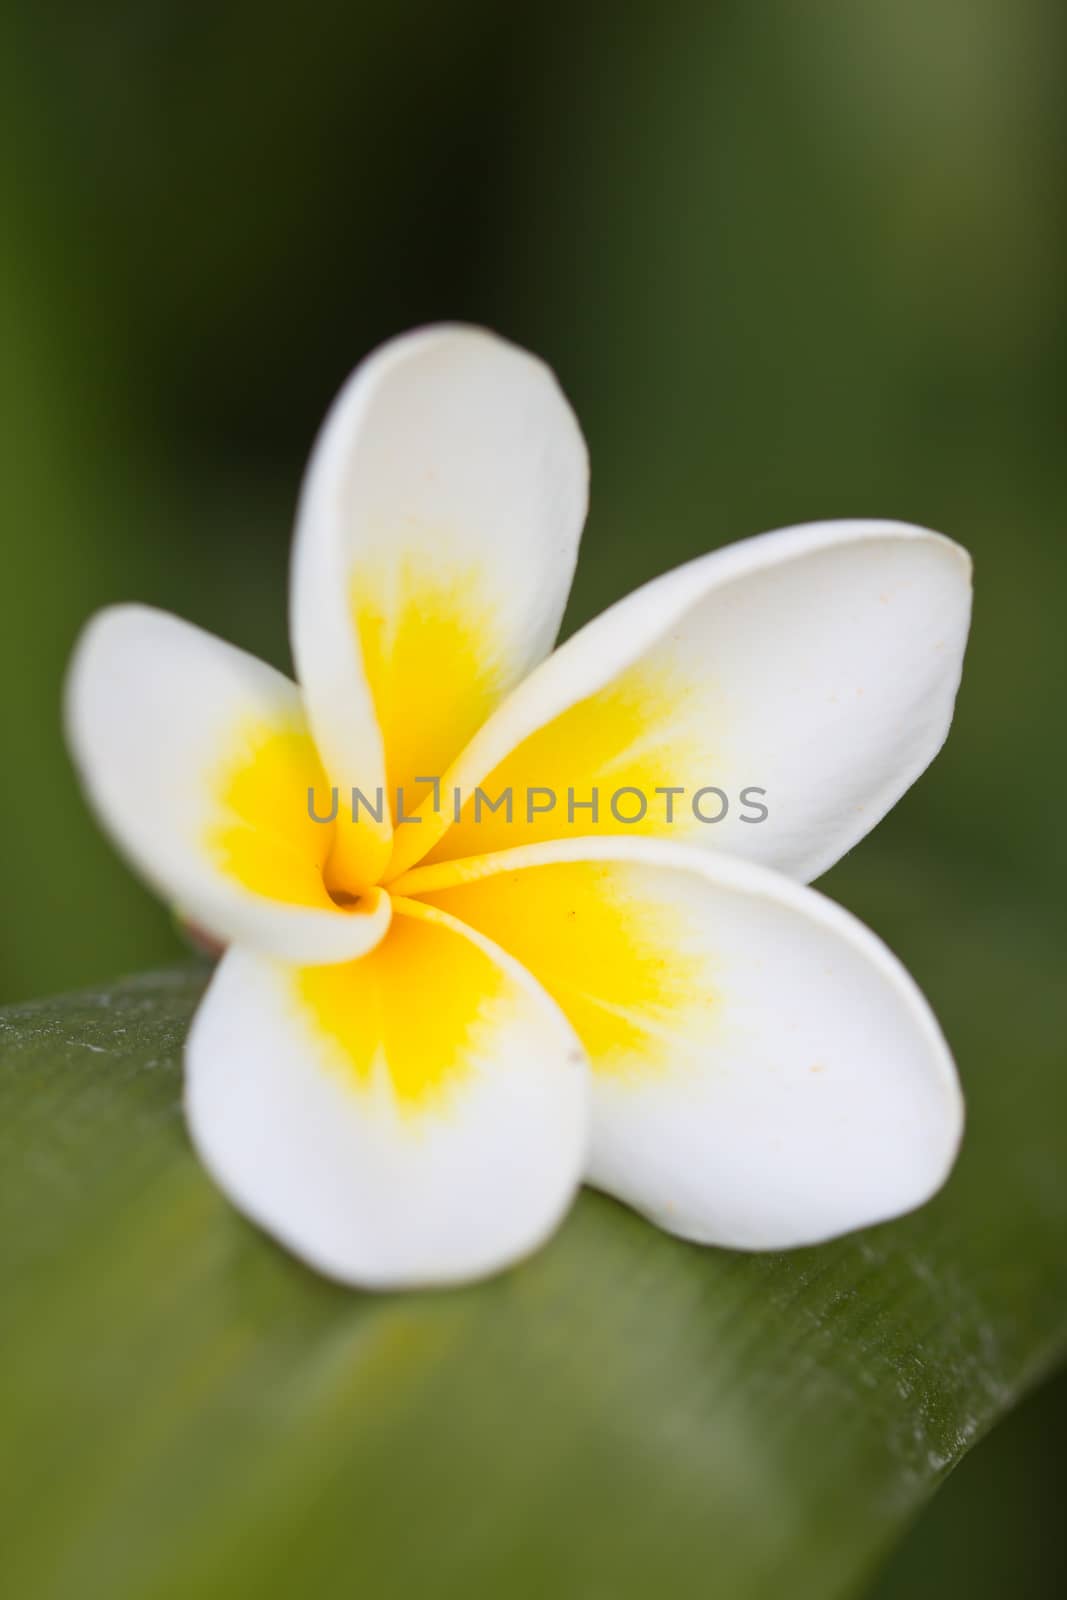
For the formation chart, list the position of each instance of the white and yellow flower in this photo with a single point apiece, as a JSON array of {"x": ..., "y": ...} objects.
[{"x": 425, "y": 1034}]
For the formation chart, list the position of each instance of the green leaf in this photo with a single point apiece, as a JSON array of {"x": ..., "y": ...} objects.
[{"x": 187, "y": 1411}]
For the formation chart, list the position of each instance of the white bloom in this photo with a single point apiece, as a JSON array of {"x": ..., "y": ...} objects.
[{"x": 424, "y": 1035}]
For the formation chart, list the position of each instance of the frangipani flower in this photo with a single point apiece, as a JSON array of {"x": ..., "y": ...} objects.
[{"x": 424, "y": 1034}]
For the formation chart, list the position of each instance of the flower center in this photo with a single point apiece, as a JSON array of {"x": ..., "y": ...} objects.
[{"x": 344, "y": 898}]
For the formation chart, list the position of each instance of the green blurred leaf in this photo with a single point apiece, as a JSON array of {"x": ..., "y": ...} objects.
[{"x": 187, "y": 1411}]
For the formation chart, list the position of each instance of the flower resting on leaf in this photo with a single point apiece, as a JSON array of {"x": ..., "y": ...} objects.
[{"x": 424, "y": 1035}]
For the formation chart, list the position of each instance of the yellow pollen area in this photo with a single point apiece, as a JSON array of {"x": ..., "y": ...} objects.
[
  {"x": 434, "y": 657},
  {"x": 264, "y": 836},
  {"x": 646, "y": 729},
  {"x": 625, "y": 969},
  {"x": 420, "y": 1007}
]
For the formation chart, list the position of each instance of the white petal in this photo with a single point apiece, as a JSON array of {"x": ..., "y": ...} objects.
[
  {"x": 810, "y": 672},
  {"x": 417, "y": 1117},
  {"x": 436, "y": 540},
  {"x": 765, "y": 1073},
  {"x": 197, "y": 759}
]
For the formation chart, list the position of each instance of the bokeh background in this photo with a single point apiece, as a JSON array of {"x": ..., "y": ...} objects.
[{"x": 790, "y": 262}]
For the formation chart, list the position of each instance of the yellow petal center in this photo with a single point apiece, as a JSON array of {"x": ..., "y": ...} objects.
[
  {"x": 413, "y": 1012},
  {"x": 264, "y": 834}
]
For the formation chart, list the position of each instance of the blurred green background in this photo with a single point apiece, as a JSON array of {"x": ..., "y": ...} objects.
[{"x": 790, "y": 262}]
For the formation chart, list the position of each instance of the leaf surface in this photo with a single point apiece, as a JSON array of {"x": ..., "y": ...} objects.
[{"x": 188, "y": 1411}]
